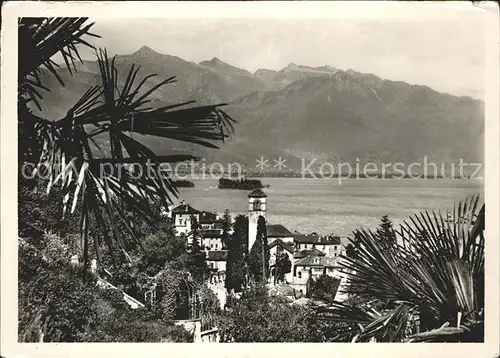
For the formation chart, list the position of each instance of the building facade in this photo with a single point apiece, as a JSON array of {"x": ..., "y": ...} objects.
[
  {"x": 313, "y": 266},
  {"x": 331, "y": 246},
  {"x": 182, "y": 216}
]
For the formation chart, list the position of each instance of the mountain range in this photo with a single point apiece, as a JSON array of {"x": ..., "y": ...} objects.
[{"x": 302, "y": 113}]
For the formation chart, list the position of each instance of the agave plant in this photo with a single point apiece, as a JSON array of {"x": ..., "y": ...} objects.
[
  {"x": 427, "y": 286},
  {"x": 104, "y": 182}
]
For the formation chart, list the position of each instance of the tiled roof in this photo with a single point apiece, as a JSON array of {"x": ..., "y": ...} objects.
[
  {"x": 277, "y": 231},
  {"x": 311, "y": 252},
  {"x": 257, "y": 193},
  {"x": 220, "y": 255},
  {"x": 323, "y": 261},
  {"x": 184, "y": 209},
  {"x": 279, "y": 242},
  {"x": 316, "y": 239}
]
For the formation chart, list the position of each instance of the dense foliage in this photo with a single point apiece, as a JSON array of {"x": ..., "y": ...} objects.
[
  {"x": 258, "y": 317},
  {"x": 324, "y": 288},
  {"x": 56, "y": 303}
]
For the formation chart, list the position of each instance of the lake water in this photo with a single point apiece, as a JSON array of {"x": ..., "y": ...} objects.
[{"x": 324, "y": 206}]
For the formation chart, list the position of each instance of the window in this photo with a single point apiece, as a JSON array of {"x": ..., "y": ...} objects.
[
  {"x": 257, "y": 205},
  {"x": 300, "y": 274}
]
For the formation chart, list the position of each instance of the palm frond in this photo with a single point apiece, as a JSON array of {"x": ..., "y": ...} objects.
[
  {"x": 40, "y": 39},
  {"x": 128, "y": 176},
  {"x": 436, "y": 269}
]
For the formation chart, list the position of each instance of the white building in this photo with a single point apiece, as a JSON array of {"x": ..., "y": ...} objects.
[
  {"x": 331, "y": 246},
  {"x": 182, "y": 217},
  {"x": 313, "y": 265}
]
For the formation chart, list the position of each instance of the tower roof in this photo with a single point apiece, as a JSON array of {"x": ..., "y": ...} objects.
[{"x": 257, "y": 193}]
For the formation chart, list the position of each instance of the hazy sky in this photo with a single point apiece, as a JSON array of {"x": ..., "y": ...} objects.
[{"x": 446, "y": 55}]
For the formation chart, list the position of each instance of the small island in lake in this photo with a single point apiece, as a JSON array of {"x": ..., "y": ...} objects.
[
  {"x": 183, "y": 183},
  {"x": 242, "y": 184}
]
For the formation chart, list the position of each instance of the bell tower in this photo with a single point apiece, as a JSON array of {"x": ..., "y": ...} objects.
[{"x": 257, "y": 206}]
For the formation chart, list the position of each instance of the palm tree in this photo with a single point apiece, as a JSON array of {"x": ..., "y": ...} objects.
[
  {"x": 70, "y": 149},
  {"x": 427, "y": 287}
]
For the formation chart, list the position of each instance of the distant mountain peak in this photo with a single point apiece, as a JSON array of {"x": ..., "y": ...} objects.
[
  {"x": 146, "y": 50},
  {"x": 216, "y": 60},
  {"x": 216, "y": 63},
  {"x": 291, "y": 66}
]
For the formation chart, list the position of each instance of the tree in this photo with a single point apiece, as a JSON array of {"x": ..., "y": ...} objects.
[
  {"x": 350, "y": 251},
  {"x": 439, "y": 280},
  {"x": 325, "y": 288},
  {"x": 197, "y": 261},
  {"x": 195, "y": 235},
  {"x": 258, "y": 260},
  {"x": 282, "y": 266},
  {"x": 386, "y": 231},
  {"x": 70, "y": 149},
  {"x": 262, "y": 234},
  {"x": 159, "y": 249},
  {"x": 236, "y": 255},
  {"x": 310, "y": 284},
  {"x": 226, "y": 228}
]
